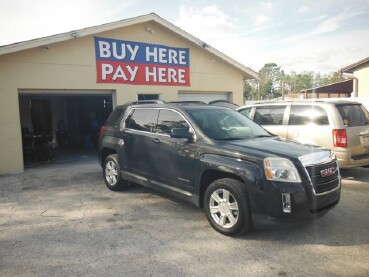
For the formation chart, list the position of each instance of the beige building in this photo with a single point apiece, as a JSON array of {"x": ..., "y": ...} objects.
[
  {"x": 53, "y": 87},
  {"x": 360, "y": 72}
]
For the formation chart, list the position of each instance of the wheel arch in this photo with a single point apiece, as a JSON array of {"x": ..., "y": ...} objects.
[
  {"x": 213, "y": 167},
  {"x": 209, "y": 177},
  {"x": 105, "y": 152}
]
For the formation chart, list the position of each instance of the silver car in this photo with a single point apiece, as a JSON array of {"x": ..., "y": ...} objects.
[{"x": 342, "y": 126}]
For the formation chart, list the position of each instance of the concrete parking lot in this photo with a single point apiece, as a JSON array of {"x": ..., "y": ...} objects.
[{"x": 61, "y": 220}]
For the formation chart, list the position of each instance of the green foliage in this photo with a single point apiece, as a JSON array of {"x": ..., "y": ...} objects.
[{"x": 268, "y": 85}]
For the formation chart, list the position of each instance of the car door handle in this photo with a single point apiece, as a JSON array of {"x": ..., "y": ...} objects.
[{"x": 156, "y": 140}]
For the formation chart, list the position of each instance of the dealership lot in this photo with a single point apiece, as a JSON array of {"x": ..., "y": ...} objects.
[{"x": 61, "y": 220}]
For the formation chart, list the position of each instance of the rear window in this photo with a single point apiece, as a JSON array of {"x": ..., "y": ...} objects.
[
  {"x": 308, "y": 114},
  {"x": 353, "y": 115},
  {"x": 114, "y": 117}
]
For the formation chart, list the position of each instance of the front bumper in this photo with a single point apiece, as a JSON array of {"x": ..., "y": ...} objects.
[{"x": 304, "y": 203}]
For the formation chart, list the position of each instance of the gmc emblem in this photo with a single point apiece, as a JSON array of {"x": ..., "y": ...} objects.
[{"x": 328, "y": 172}]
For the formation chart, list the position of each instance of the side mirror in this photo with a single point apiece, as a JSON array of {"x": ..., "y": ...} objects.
[{"x": 182, "y": 133}]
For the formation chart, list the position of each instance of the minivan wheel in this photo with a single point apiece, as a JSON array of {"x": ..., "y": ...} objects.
[
  {"x": 112, "y": 176},
  {"x": 227, "y": 208}
]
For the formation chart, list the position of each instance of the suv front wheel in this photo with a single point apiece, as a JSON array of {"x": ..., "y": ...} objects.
[
  {"x": 112, "y": 176},
  {"x": 227, "y": 208}
]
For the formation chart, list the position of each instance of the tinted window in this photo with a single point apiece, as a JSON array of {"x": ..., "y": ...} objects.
[
  {"x": 168, "y": 120},
  {"x": 140, "y": 119},
  {"x": 226, "y": 124},
  {"x": 114, "y": 116},
  {"x": 246, "y": 112},
  {"x": 269, "y": 115},
  {"x": 309, "y": 114},
  {"x": 353, "y": 115}
]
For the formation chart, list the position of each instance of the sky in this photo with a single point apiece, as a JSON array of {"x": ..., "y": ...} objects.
[{"x": 321, "y": 36}]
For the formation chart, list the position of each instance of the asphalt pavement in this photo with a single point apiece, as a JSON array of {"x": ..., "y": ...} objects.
[{"x": 59, "y": 219}]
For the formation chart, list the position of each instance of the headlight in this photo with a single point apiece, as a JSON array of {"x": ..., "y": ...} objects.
[{"x": 280, "y": 169}]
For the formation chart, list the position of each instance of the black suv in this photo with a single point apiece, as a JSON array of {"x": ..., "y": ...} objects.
[{"x": 220, "y": 160}]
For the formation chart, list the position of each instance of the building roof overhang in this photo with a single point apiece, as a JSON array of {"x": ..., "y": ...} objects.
[
  {"x": 351, "y": 68},
  {"x": 44, "y": 41}
]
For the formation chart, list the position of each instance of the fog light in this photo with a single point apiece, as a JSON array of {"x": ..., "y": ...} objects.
[{"x": 286, "y": 202}]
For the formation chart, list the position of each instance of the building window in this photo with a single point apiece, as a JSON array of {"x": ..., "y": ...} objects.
[{"x": 148, "y": 97}]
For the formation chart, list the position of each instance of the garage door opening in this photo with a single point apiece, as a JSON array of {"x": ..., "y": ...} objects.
[{"x": 61, "y": 128}]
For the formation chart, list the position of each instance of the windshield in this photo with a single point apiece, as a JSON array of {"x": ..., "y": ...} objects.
[{"x": 226, "y": 124}]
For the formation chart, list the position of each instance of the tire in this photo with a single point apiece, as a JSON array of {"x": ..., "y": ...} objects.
[
  {"x": 227, "y": 208},
  {"x": 112, "y": 176}
]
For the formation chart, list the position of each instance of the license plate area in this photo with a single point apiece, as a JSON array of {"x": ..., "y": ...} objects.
[{"x": 364, "y": 140}]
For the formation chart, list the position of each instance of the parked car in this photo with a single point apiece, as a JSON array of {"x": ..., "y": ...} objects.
[
  {"x": 218, "y": 159},
  {"x": 341, "y": 126}
]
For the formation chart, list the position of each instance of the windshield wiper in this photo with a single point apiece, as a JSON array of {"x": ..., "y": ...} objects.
[{"x": 264, "y": 136}]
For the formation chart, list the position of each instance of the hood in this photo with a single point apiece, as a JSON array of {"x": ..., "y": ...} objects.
[{"x": 266, "y": 147}]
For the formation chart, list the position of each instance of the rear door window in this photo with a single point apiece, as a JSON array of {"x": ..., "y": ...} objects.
[
  {"x": 307, "y": 114},
  {"x": 271, "y": 115},
  {"x": 353, "y": 115},
  {"x": 168, "y": 120},
  {"x": 141, "y": 120}
]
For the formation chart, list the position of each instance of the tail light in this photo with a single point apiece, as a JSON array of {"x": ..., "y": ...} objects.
[
  {"x": 339, "y": 138},
  {"x": 102, "y": 128}
]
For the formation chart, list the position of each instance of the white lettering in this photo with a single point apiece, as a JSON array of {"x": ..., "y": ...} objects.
[
  {"x": 161, "y": 75},
  {"x": 172, "y": 73},
  {"x": 106, "y": 69},
  {"x": 104, "y": 49},
  {"x": 153, "y": 54},
  {"x": 119, "y": 73},
  {"x": 163, "y": 55},
  {"x": 182, "y": 57},
  {"x": 181, "y": 76},
  {"x": 115, "y": 52},
  {"x": 173, "y": 56},
  {"x": 150, "y": 74},
  {"x": 133, "y": 72},
  {"x": 133, "y": 51}
]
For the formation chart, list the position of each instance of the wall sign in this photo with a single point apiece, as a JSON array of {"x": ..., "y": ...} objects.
[{"x": 137, "y": 63}]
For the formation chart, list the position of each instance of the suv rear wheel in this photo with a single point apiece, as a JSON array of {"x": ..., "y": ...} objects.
[
  {"x": 113, "y": 178},
  {"x": 227, "y": 208}
]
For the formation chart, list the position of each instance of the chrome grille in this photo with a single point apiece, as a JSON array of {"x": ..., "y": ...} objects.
[{"x": 324, "y": 177}]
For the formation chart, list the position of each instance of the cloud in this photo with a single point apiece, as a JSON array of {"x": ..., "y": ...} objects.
[
  {"x": 303, "y": 9},
  {"x": 268, "y": 5},
  {"x": 206, "y": 23},
  {"x": 24, "y": 20},
  {"x": 334, "y": 23},
  {"x": 261, "y": 19}
]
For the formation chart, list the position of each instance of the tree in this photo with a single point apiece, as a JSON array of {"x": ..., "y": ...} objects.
[
  {"x": 269, "y": 81},
  {"x": 250, "y": 90}
]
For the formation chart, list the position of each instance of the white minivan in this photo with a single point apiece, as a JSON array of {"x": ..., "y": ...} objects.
[{"x": 342, "y": 126}]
